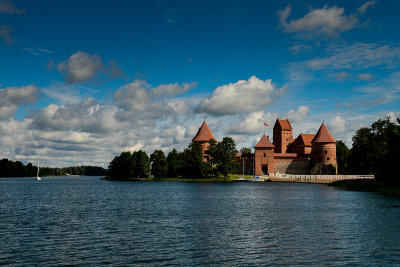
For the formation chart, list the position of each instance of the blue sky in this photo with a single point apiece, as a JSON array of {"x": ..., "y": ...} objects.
[{"x": 82, "y": 81}]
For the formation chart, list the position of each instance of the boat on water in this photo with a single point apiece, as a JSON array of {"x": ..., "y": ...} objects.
[
  {"x": 241, "y": 179},
  {"x": 37, "y": 174}
]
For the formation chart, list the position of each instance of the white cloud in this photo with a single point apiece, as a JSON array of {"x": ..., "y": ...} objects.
[
  {"x": 252, "y": 123},
  {"x": 173, "y": 89},
  {"x": 242, "y": 96},
  {"x": 337, "y": 125},
  {"x": 12, "y": 97},
  {"x": 298, "y": 115},
  {"x": 340, "y": 59},
  {"x": 86, "y": 116},
  {"x": 356, "y": 56},
  {"x": 377, "y": 93},
  {"x": 8, "y": 7},
  {"x": 82, "y": 67},
  {"x": 327, "y": 21},
  {"x": 393, "y": 116},
  {"x": 5, "y": 34},
  {"x": 363, "y": 8}
]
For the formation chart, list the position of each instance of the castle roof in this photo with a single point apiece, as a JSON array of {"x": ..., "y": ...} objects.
[
  {"x": 284, "y": 124},
  {"x": 264, "y": 142},
  {"x": 204, "y": 134},
  {"x": 323, "y": 135},
  {"x": 303, "y": 140}
]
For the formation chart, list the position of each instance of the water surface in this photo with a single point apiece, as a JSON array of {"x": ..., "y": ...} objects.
[{"x": 86, "y": 221}]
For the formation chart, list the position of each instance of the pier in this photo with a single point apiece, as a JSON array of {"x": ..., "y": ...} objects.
[{"x": 322, "y": 179}]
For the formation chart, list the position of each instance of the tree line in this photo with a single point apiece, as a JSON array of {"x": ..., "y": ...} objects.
[
  {"x": 220, "y": 161},
  {"x": 375, "y": 150},
  {"x": 9, "y": 168}
]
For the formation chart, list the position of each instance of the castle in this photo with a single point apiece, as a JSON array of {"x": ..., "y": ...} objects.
[{"x": 308, "y": 153}]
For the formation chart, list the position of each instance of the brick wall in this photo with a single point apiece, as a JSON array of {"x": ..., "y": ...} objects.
[{"x": 292, "y": 167}]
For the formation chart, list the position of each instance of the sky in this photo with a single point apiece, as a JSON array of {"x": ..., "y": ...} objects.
[{"x": 82, "y": 81}]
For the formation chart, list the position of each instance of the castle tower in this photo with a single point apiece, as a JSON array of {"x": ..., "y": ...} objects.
[
  {"x": 283, "y": 135},
  {"x": 264, "y": 156},
  {"x": 323, "y": 147},
  {"x": 203, "y": 137}
]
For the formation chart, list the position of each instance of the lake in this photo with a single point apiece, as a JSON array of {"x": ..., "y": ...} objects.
[{"x": 87, "y": 221}]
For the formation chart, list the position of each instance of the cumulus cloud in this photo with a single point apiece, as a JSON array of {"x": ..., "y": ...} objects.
[
  {"x": 82, "y": 67},
  {"x": 242, "y": 96},
  {"x": 298, "y": 115},
  {"x": 8, "y": 7},
  {"x": 337, "y": 125},
  {"x": 133, "y": 96},
  {"x": 5, "y": 34},
  {"x": 328, "y": 21},
  {"x": 173, "y": 89},
  {"x": 12, "y": 97},
  {"x": 86, "y": 116},
  {"x": 252, "y": 123}
]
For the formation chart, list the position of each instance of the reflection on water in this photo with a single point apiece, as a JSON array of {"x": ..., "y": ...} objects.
[{"x": 88, "y": 221}]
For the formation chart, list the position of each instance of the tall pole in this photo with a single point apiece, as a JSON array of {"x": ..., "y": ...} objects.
[
  {"x": 243, "y": 164},
  {"x": 254, "y": 162}
]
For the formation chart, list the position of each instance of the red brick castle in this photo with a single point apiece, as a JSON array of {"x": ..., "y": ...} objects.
[{"x": 308, "y": 153}]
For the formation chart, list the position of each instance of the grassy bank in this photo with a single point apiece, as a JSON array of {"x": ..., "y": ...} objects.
[{"x": 368, "y": 185}]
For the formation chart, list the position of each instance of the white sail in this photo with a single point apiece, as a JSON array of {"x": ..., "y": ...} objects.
[{"x": 37, "y": 174}]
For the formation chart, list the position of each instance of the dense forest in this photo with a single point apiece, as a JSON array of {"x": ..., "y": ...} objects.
[
  {"x": 220, "y": 161},
  {"x": 10, "y": 168},
  {"x": 375, "y": 150}
]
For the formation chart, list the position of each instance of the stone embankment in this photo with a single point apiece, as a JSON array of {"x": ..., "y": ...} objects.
[{"x": 322, "y": 179}]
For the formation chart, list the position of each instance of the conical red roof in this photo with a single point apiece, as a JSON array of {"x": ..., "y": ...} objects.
[
  {"x": 303, "y": 140},
  {"x": 264, "y": 142},
  {"x": 204, "y": 134},
  {"x": 323, "y": 135}
]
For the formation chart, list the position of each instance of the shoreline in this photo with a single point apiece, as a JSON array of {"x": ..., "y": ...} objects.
[{"x": 366, "y": 185}]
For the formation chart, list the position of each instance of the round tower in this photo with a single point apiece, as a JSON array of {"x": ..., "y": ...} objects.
[
  {"x": 323, "y": 147},
  {"x": 203, "y": 137},
  {"x": 264, "y": 156}
]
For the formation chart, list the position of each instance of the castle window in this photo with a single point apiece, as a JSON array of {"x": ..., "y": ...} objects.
[
  {"x": 327, "y": 158},
  {"x": 326, "y": 151},
  {"x": 265, "y": 155}
]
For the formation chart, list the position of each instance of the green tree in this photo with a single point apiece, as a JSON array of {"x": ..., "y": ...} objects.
[
  {"x": 159, "y": 166},
  {"x": 121, "y": 166},
  {"x": 141, "y": 164},
  {"x": 174, "y": 163},
  {"x": 376, "y": 150},
  {"x": 192, "y": 161},
  {"x": 227, "y": 156},
  {"x": 245, "y": 150},
  {"x": 342, "y": 157},
  {"x": 221, "y": 157}
]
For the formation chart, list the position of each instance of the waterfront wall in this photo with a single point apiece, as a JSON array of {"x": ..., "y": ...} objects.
[
  {"x": 292, "y": 167},
  {"x": 316, "y": 178}
]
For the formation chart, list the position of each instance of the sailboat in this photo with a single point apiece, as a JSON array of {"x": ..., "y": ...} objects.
[{"x": 37, "y": 174}]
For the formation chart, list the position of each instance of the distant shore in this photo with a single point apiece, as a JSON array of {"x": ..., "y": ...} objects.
[{"x": 383, "y": 187}]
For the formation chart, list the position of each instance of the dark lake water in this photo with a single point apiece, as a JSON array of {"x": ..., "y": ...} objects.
[{"x": 86, "y": 221}]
